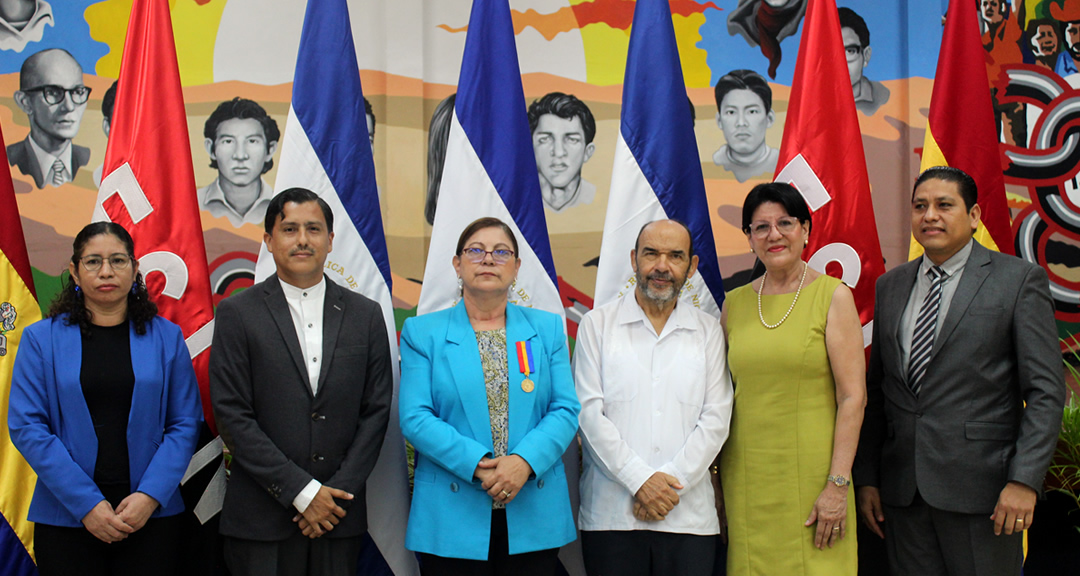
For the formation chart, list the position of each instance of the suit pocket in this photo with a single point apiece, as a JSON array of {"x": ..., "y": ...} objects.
[{"x": 989, "y": 431}]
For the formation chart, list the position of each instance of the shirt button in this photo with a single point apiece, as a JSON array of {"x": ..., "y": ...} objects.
[
  {"x": 314, "y": 358},
  {"x": 657, "y": 449},
  {"x": 309, "y": 325},
  {"x": 305, "y": 294}
]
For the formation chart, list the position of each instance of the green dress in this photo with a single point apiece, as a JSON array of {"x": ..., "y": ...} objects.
[{"x": 776, "y": 460}]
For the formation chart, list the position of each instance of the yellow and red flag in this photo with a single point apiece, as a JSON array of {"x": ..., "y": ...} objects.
[
  {"x": 961, "y": 131},
  {"x": 18, "y": 309},
  {"x": 822, "y": 155}
]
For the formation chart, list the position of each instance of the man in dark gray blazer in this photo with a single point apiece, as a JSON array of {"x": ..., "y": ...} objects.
[
  {"x": 301, "y": 383},
  {"x": 950, "y": 459}
]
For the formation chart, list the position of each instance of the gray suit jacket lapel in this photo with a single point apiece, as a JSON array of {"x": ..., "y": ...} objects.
[
  {"x": 333, "y": 312},
  {"x": 893, "y": 308},
  {"x": 279, "y": 311},
  {"x": 975, "y": 272}
]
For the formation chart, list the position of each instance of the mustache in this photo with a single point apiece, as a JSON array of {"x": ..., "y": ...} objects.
[
  {"x": 662, "y": 276},
  {"x": 302, "y": 248}
]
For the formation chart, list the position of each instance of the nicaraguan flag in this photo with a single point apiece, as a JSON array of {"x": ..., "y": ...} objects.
[
  {"x": 490, "y": 169},
  {"x": 657, "y": 170},
  {"x": 325, "y": 149}
]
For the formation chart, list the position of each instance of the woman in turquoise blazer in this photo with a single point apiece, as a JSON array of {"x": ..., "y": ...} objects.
[
  {"x": 489, "y": 425},
  {"x": 107, "y": 493}
]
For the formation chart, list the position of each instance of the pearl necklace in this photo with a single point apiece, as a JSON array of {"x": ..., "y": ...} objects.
[{"x": 792, "y": 307}]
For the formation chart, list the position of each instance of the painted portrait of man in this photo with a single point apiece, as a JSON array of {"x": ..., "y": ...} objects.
[
  {"x": 869, "y": 95},
  {"x": 240, "y": 138},
  {"x": 52, "y": 95},
  {"x": 562, "y": 129},
  {"x": 744, "y": 114}
]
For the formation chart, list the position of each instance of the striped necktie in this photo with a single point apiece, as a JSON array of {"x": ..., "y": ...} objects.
[
  {"x": 58, "y": 170},
  {"x": 922, "y": 341}
]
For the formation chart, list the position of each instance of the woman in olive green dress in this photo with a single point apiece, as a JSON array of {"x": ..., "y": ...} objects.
[{"x": 795, "y": 351}]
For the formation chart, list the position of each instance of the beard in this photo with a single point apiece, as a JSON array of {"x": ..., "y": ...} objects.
[{"x": 661, "y": 295}]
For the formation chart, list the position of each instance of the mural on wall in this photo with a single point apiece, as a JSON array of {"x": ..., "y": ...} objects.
[{"x": 738, "y": 57}]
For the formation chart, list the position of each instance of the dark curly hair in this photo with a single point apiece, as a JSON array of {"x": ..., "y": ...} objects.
[
  {"x": 140, "y": 308},
  {"x": 242, "y": 109}
]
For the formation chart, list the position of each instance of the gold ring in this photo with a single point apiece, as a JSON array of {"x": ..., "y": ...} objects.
[
  {"x": 505, "y": 493},
  {"x": 836, "y": 529},
  {"x": 1019, "y": 520}
]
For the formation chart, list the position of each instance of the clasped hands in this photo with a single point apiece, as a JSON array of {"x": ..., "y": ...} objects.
[
  {"x": 130, "y": 515},
  {"x": 656, "y": 497},
  {"x": 503, "y": 477},
  {"x": 323, "y": 513}
]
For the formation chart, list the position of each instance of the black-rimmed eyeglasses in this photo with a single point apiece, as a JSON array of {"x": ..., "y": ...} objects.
[{"x": 54, "y": 94}]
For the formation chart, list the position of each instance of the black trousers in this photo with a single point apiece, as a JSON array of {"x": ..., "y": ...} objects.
[
  {"x": 499, "y": 563},
  {"x": 647, "y": 553},
  {"x": 154, "y": 551},
  {"x": 295, "y": 556}
]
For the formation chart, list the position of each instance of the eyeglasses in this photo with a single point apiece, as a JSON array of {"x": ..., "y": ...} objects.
[
  {"x": 784, "y": 226},
  {"x": 117, "y": 261},
  {"x": 54, "y": 94},
  {"x": 477, "y": 255}
]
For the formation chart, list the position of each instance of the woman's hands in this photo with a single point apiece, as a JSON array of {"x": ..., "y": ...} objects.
[
  {"x": 503, "y": 477},
  {"x": 105, "y": 524},
  {"x": 830, "y": 514}
]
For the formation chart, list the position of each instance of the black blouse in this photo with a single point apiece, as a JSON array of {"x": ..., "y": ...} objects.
[{"x": 108, "y": 381}]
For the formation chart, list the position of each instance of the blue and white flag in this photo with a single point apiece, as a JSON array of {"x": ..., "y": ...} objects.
[
  {"x": 490, "y": 169},
  {"x": 657, "y": 169},
  {"x": 325, "y": 149}
]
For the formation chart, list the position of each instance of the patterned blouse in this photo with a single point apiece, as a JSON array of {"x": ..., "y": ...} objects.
[{"x": 492, "y": 344}]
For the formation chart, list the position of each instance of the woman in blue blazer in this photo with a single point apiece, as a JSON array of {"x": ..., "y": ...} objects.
[
  {"x": 488, "y": 402},
  {"x": 105, "y": 408}
]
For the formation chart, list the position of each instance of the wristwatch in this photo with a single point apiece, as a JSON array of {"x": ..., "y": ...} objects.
[{"x": 839, "y": 480}]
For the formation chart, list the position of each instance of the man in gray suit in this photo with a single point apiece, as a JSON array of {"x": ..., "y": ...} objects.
[
  {"x": 965, "y": 390},
  {"x": 301, "y": 381}
]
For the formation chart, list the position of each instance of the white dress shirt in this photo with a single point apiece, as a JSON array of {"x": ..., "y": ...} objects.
[
  {"x": 650, "y": 403},
  {"x": 306, "y": 309},
  {"x": 954, "y": 269},
  {"x": 212, "y": 199}
]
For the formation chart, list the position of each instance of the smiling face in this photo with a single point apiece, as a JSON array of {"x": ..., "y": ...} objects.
[
  {"x": 560, "y": 149},
  {"x": 487, "y": 276},
  {"x": 743, "y": 120},
  {"x": 299, "y": 243},
  {"x": 662, "y": 262},
  {"x": 939, "y": 220},
  {"x": 107, "y": 286},
  {"x": 240, "y": 150},
  {"x": 777, "y": 249},
  {"x": 52, "y": 124}
]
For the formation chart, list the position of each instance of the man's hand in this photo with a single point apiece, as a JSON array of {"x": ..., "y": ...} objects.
[
  {"x": 508, "y": 475},
  {"x": 642, "y": 513},
  {"x": 868, "y": 501},
  {"x": 658, "y": 494},
  {"x": 136, "y": 509},
  {"x": 323, "y": 513},
  {"x": 1015, "y": 509},
  {"x": 105, "y": 525}
]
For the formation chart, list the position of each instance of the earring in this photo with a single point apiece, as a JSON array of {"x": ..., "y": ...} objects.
[
  {"x": 134, "y": 288},
  {"x": 78, "y": 291}
]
